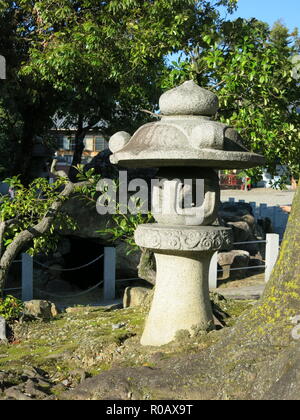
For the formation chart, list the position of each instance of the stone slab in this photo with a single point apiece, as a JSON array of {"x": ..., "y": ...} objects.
[{"x": 242, "y": 293}]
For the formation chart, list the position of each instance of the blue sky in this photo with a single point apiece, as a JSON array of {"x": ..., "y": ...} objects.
[{"x": 270, "y": 10}]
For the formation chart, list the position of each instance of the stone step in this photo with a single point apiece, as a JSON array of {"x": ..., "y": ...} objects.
[{"x": 242, "y": 293}]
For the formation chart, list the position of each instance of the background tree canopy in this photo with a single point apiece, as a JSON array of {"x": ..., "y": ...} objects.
[
  {"x": 93, "y": 61},
  {"x": 90, "y": 62},
  {"x": 251, "y": 67}
]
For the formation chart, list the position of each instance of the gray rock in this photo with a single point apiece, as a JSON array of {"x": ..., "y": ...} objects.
[
  {"x": 79, "y": 375},
  {"x": 118, "y": 326},
  {"x": 241, "y": 231},
  {"x": 87, "y": 219},
  {"x": 233, "y": 259},
  {"x": 245, "y": 227},
  {"x": 3, "y": 337},
  {"x": 40, "y": 309},
  {"x": 135, "y": 296},
  {"x": 33, "y": 390},
  {"x": 15, "y": 393}
]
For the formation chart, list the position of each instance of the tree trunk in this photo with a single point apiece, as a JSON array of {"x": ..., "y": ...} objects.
[
  {"x": 79, "y": 148},
  {"x": 281, "y": 300}
]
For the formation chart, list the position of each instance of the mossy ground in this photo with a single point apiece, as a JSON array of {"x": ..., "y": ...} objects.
[{"x": 85, "y": 338}]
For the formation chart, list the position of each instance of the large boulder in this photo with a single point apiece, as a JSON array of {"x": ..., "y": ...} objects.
[
  {"x": 40, "y": 309},
  {"x": 239, "y": 216},
  {"x": 136, "y": 296},
  {"x": 233, "y": 259}
]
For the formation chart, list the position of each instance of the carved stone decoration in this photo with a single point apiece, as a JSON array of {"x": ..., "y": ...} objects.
[
  {"x": 200, "y": 210},
  {"x": 163, "y": 237}
]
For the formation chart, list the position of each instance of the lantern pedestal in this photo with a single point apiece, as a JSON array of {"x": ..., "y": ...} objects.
[{"x": 181, "y": 298}]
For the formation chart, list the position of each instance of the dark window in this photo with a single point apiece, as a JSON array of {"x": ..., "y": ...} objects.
[{"x": 100, "y": 144}]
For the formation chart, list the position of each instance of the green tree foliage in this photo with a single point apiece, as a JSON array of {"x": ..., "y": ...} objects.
[
  {"x": 87, "y": 61},
  {"x": 11, "y": 308},
  {"x": 105, "y": 58},
  {"x": 26, "y": 105},
  {"x": 30, "y": 218},
  {"x": 25, "y": 206},
  {"x": 250, "y": 67}
]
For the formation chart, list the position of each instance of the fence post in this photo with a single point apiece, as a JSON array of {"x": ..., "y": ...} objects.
[
  {"x": 272, "y": 251},
  {"x": 213, "y": 273},
  {"x": 27, "y": 277},
  {"x": 109, "y": 289}
]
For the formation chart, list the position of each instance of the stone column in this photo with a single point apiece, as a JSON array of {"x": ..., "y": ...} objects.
[{"x": 181, "y": 299}]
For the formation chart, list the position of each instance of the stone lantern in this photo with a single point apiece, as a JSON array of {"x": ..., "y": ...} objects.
[{"x": 186, "y": 144}]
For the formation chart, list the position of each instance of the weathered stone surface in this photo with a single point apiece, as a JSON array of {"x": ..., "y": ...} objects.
[
  {"x": 233, "y": 259},
  {"x": 118, "y": 141},
  {"x": 183, "y": 238},
  {"x": 181, "y": 297},
  {"x": 135, "y": 296},
  {"x": 87, "y": 219},
  {"x": 15, "y": 393},
  {"x": 241, "y": 231},
  {"x": 196, "y": 377},
  {"x": 186, "y": 136},
  {"x": 188, "y": 99},
  {"x": 32, "y": 384},
  {"x": 41, "y": 309},
  {"x": 173, "y": 188},
  {"x": 147, "y": 266},
  {"x": 244, "y": 293},
  {"x": 245, "y": 227},
  {"x": 32, "y": 389}
]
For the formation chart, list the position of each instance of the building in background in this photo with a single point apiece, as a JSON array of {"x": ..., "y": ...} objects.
[{"x": 94, "y": 143}]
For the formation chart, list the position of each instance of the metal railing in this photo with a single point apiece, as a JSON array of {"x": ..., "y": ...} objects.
[
  {"x": 109, "y": 269},
  {"x": 108, "y": 281}
]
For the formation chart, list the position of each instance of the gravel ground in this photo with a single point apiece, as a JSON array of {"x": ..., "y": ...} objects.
[{"x": 260, "y": 196}]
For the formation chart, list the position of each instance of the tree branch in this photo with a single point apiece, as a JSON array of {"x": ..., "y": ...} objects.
[
  {"x": 158, "y": 116},
  {"x": 25, "y": 236}
]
